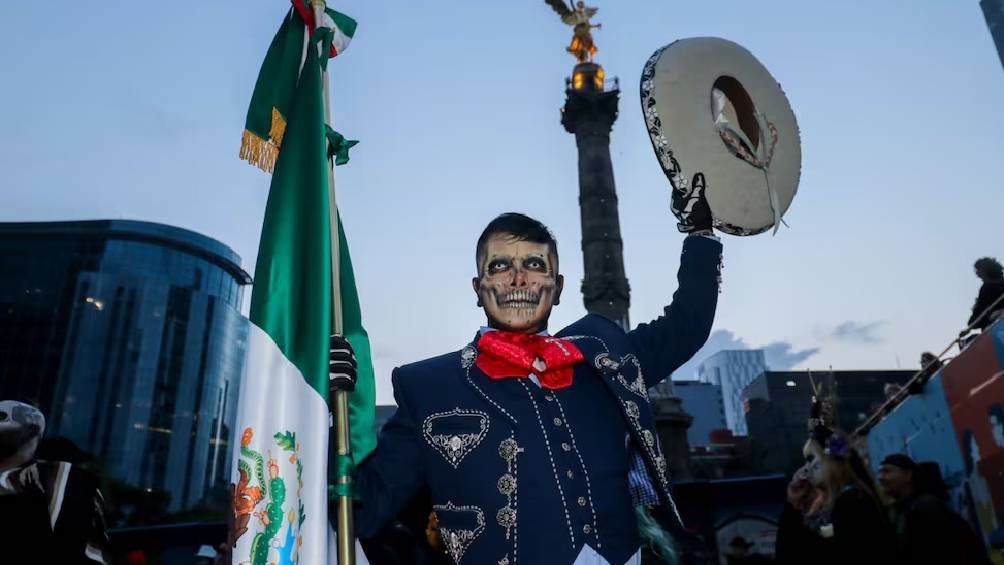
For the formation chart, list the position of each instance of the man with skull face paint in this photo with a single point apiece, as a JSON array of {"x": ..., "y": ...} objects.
[{"x": 538, "y": 449}]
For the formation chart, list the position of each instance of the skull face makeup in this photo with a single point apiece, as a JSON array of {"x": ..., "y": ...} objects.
[
  {"x": 814, "y": 469},
  {"x": 517, "y": 283},
  {"x": 21, "y": 425}
]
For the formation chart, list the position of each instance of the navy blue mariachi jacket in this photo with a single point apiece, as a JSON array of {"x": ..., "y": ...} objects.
[{"x": 523, "y": 474}]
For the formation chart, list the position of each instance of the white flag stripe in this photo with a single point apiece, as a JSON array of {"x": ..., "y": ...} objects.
[
  {"x": 333, "y": 555},
  {"x": 275, "y": 398},
  {"x": 338, "y": 40}
]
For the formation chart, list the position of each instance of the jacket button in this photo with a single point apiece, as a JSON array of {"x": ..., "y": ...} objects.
[
  {"x": 570, "y": 474},
  {"x": 582, "y": 501},
  {"x": 557, "y": 422},
  {"x": 587, "y": 529},
  {"x": 566, "y": 447}
]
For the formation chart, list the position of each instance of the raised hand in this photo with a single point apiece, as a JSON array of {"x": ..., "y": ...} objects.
[{"x": 691, "y": 207}]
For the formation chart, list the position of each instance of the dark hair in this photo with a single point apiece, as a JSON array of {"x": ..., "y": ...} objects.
[
  {"x": 988, "y": 268},
  {"x": 521, "y": 227}
]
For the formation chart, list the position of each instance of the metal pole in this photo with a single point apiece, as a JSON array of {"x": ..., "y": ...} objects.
[{"x": 340, "y": 416}]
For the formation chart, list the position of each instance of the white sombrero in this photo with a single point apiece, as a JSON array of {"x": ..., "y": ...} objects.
[{"x": 713, "y": 111}]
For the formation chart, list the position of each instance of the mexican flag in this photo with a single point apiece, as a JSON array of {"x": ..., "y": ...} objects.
[
  {"x": 277, "y": 80},
  {"x": 280, "y": 467}
]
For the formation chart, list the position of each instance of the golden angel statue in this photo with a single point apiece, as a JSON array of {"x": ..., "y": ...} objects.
[{"x": 582, "y": 45}]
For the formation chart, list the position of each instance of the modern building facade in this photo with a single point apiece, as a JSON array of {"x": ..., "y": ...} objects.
[
  {"x": 993, "y": 11},
  {"x": 733, "y": 371},
  {"x": 778, "y": 403},
  {"x": 704, "y": 402},
  {"x": 128, "y": 336}
]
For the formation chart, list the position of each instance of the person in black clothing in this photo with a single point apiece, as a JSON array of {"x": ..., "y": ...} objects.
[
  {"x": 927, "y": 530},
  {"x": 992, "y": 274},
  {"x": 51, "y": 511},
  {"x": 832, "y": 514}
]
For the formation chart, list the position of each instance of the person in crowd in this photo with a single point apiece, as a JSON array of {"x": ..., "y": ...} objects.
[
  {"x": 52, "y": 508},
  {"x": 930, "y": 363},
  {"x": 989, "y": 302},
  {"x": 833, "y": 514},
  {"x": 927, "y": 530},
  {"x": 891, "y": 390}
]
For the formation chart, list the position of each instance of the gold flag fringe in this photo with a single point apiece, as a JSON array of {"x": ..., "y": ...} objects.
[
  {"x": 263, "y": 153},
  {"x": 258, "y": 152},
  {"x": 278, "y": 128}
]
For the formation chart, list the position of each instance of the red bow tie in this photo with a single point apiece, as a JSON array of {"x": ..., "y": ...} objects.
[{"x": 510, "y": 354}]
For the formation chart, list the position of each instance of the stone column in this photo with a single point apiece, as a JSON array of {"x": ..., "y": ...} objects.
[{"x": 589, "y": 113}]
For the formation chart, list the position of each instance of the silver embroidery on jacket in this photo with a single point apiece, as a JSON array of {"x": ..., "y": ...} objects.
[
  {"x": 457, "y": 540},
  {"x": 454, "y": 443},
  {"x": 507, "y": 485}
]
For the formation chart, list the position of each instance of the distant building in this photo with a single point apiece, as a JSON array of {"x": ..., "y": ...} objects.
[
  {"x": 704, "y": 402},
  {"x": 733, "y": 370},
  {"x": 778, "y": 402},
  {"x": 993, "y": 11},
  {"x": 128, "y": 336}
]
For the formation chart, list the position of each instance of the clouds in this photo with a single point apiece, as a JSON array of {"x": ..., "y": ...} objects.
[
  {"x": 856, "y": 332},
  {"x": 780, "y": 355}
]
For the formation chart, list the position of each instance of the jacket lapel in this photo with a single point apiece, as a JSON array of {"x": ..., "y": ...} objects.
[
  {"x": 621, "y": 373},
  {"x": 481, "y": 385}
]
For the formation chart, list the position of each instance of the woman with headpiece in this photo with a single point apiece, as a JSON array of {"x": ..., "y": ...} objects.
[{"x": 833, "y": 513}]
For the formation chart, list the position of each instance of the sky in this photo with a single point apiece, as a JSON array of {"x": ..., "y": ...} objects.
[{"x": 135, "y": 111}]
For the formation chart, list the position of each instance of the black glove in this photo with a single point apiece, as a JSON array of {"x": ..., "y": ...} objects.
[
  {"x": 341, "y": 365},
  {"x": 691, "y": 207}
]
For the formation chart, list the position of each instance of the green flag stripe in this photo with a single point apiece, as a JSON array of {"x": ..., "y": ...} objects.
[
  {"x": 344, "y": 23},
  {"x": 291, "y": 297},
  {"x": 362, "y": 401},
  {"x": 273, "y": 94}
]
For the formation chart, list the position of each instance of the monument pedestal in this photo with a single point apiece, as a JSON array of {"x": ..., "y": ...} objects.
[{"x": 671, "y": 425}]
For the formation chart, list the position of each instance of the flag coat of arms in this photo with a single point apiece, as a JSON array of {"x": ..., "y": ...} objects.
[{"x": 280, "y": 457}]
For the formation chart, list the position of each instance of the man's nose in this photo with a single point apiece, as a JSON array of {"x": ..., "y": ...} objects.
[{"x": 519, "y": 278}]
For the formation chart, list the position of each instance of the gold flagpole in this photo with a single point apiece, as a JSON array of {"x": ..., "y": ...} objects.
[{"x": 340, "y": 414}]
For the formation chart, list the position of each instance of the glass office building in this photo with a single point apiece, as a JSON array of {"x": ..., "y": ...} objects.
[
  {"x": 129, "y": 337},
  {"x": 733, "y": 370}
]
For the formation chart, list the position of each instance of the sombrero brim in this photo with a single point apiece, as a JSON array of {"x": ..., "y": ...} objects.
[{"x": 676, "y": 91}]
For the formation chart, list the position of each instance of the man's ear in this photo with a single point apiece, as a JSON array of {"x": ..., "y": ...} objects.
[
  {"x": 476, "y": 283},
  {"x": 559, "y": 283}
]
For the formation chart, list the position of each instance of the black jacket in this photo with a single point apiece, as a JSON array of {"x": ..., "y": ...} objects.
[
  {"x": 930, "y": 532},
  {"x": 989, "y": 293},
  {"x": 860, "y": 534}
]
